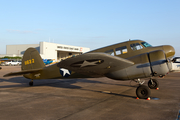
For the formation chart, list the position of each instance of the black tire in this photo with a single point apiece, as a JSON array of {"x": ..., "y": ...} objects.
[
  {"x": 153, "y": 85},
  {"x": 30, "y": 83},
  {"x": 143, "y": 92}
]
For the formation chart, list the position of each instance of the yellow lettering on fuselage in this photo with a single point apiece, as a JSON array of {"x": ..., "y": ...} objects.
[{"x": 27, "y": 62}]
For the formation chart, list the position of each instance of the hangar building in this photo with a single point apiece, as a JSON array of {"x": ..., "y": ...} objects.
[{"x": 47, "y": 50}]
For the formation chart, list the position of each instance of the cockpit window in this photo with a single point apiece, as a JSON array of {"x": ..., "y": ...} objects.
[
  {"x": 111, "y": 52},
  {"x": 145, "y": 44},
  {"x": 136, "y": 46}
]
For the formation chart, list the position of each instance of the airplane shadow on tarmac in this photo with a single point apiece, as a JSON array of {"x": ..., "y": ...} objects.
[
  {"x": 14, "y": 80},
  {"x": 61, "y": 83}
]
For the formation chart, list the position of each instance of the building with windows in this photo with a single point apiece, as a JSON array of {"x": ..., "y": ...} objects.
[{"x": 47, "y": 50}]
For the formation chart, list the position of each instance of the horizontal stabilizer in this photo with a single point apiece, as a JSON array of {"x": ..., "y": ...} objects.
[{"x": 22, "y": 72}]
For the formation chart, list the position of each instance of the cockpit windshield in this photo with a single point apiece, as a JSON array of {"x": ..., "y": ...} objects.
[{"x": 145, "y": 44}]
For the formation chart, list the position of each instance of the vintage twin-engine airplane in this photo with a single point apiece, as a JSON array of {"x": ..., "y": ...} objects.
[{"x": 130, "y": 60}]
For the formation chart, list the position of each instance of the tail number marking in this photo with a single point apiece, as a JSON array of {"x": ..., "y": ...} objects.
[{"x": 27, "y": 62}]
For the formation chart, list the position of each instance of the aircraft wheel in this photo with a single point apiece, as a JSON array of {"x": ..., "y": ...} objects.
[
  {"x": 143, "y": 92},
  {"x": 31, "y": 83},
  {"x": 153, "y": 84}
]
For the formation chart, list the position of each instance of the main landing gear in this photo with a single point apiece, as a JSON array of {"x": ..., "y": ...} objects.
[
  {"x": 142, "y": 91},
  {"x": 31, "y": 83}
]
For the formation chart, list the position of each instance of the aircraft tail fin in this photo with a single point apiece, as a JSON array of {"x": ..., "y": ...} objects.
[{"x": 32, "y": 60}]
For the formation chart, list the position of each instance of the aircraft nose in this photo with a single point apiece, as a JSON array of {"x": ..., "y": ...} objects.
[{"x": 169, "y": 51}]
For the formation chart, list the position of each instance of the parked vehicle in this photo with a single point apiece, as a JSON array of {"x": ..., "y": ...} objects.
[
  {"x": 2, "y": 63},
  {"x": 47, "y": 61},
  {"x": 12, "y": 62},
  {"x": 175, "y": 64}
]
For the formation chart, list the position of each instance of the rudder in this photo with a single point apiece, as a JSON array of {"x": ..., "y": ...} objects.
[{"x": 32, "y": 60}]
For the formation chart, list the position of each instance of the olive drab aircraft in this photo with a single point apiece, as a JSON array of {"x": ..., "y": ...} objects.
[{"x": 130, "y": 60}]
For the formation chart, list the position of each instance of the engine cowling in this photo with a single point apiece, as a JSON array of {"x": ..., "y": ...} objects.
[
  {"x": 159, "y": 63},
  {"x": 146, "y": 65}
]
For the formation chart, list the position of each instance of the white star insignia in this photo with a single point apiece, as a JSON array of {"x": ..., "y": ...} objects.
[
  {"x": 37, "y": 75},
  {"x": 86, "y": 63},
  {"x": 65, "y": 71}
]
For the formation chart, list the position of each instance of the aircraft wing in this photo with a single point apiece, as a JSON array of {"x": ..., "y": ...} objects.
[
  {"x": 22, "y": 72},
  {"x": 95, "y": 63}
]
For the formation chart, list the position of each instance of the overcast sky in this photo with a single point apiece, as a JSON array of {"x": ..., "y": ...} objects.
[{"x": 89, "y": 23}]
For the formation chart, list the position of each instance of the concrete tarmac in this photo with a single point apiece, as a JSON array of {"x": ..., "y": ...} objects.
[{"x": 85, "y": 99}]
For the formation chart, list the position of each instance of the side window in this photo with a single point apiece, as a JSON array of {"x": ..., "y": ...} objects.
[
  {"x": 121, "y": 50},
  {"x": 136, "y": 46},
  {"x": 111, "y": 52}
]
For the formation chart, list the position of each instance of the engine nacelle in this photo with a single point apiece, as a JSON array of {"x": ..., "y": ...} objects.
[
  {"x": 159, "y": 63},
  {"x": 146, "y": 65}
]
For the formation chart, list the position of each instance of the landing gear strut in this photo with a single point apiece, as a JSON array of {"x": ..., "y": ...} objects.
[{"x": 31, "y": 83}]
